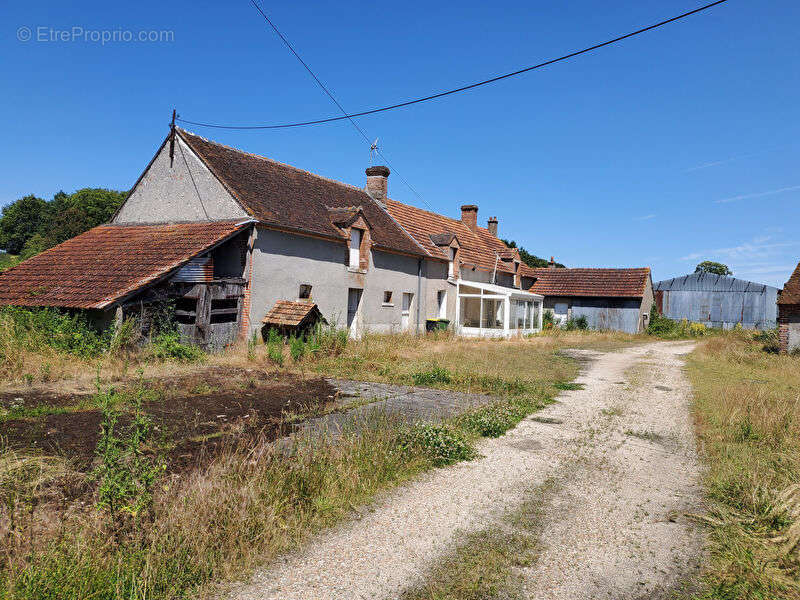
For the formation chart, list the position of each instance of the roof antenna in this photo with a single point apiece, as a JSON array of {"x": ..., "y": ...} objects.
[
  {"x": 373, "y": 150},
  {"x": 172, "y": 139}
]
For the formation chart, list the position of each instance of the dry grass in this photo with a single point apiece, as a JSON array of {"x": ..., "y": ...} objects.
[
  {"x": 474, "y": 365},
  {"x": 748, "y": 417}
]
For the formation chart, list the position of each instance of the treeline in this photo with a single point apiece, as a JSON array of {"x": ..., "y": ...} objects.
[
  {"x": 31, "y": 224},
  {"x": 530, "y": 259}
]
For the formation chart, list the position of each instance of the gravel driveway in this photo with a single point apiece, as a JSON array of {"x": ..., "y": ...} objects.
[{"x": 614, "y": 529}]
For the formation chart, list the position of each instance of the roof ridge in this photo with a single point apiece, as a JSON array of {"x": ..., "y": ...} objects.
[{"x": 277, "y": 162}]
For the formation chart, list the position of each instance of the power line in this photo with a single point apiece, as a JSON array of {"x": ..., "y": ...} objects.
[
  {"x": 335, "y": 101},
  {"x": 464, "y": 88}
]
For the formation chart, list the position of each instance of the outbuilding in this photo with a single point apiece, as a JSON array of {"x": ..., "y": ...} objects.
[
  {"x": 789, "y": 314},
  {"x": 610, "y": 299},
  {"x": 717, "y": 301}
]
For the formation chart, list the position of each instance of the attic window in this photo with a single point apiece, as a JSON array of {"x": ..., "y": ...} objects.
[
  {"x": 305, "y": 291},
  {"x": 387, "y": 298},
  {"x": 355, "y": 247}
]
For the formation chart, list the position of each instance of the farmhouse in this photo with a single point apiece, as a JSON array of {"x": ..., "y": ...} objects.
[
  {"x": 717, "y": 301},
  {"x": 618, "y": 299},
  {"x": 227, "y": 238},
  {"x": 789, "y": 313}
]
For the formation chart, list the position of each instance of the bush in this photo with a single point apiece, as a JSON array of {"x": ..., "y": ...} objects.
[
  {"x": 297, "y": 348},
  {"x": 168, "y": 346},
  {"x": 580, "y": 323},
  {"x": 548, "y": 320},
  {"x": 37, "y": 328},
  {"x": 431, "y": 376},
  {"x": 442, "y": 444}
]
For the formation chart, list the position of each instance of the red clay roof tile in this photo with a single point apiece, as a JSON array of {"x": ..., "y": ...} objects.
[
  {"x": 289, "y": 313},
  {"x": 479, "y": 247},
  {"x": 618, "y": 283},
  {"x": 106, "y": 263},
  {"x": 791, "y": 291},
  {"x": 287, "y": 197}
]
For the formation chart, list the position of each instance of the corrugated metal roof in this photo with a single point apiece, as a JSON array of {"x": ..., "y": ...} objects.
[{"x": 708, "y": 282}]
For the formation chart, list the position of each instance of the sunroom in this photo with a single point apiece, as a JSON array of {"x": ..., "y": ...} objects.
[{"x": 485, "y": 309}]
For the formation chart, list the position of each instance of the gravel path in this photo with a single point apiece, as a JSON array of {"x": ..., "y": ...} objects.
[{"x": 614, "y": 530}]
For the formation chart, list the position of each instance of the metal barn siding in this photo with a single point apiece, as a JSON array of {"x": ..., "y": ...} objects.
[
  {"x": 608, "y": 313},
  {"x": 718, "y": 301}
]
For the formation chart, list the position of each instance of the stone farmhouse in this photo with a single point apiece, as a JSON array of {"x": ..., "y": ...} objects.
[
  {"x": 789, "y": 314},
  {"x": 225, "y": 237}
]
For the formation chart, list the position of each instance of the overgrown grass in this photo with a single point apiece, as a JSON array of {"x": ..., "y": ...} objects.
[
  {"x": 747, "y": 404},
  {"x": 249, "y": 505}
]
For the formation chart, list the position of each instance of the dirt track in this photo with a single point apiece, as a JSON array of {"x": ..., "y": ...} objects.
[{"x": 614, "y": 529}]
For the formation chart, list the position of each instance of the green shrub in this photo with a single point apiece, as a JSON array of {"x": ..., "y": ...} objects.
[
  {"x": 582, "y": 323},
  {"x": 442, "y": 444},
  {"x": 431, "y": 376},
  {"x": 37, "y": 328},
  {"x": 297, "y": 348},
  {"x": 168, "y": 346},
  {"x": 548, "y": 320}
]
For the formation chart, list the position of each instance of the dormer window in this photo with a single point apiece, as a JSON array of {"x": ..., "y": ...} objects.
[{"x": 356, "y": 236}]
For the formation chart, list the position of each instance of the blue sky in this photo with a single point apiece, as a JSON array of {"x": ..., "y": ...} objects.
[{"x": 667, "y": 149}]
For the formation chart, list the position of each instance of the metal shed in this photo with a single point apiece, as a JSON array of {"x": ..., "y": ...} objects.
[{"x": 717, "y": 301}]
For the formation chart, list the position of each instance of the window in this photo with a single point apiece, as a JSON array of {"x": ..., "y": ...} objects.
[
  {"x": 355, "y": 248},
  {"x": 471, "y": 312},
  {"x": 441, "y": 303},
  {"x": 492, "y": 317},
  {"x": 225, "y": 310},
  {"x": 186, "y": 311},
  {"x": 387, "y": 298},
  {"x": 305, "y": 291},
  {"x": 451, "y": 271}
]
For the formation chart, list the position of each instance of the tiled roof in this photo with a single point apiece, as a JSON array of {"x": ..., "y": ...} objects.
[
  {"x": 288, "y": 313},
  {"x": 598, "y": 283},
  {"x": 106, "y": 263},
  {"x": 292, "y": 199},
  {"x": 478, "y": 248},
  {"x": 791, "y": 291}
]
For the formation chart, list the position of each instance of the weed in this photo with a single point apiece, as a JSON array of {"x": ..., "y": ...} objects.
[
  {"x": 125, "y": 474},
  {"x": 168, "y": 346},
  {"x": 297, "y": 348},
  {"x": 442, "y": 443},
  {"x": 568, "y": 385},
  {"x": 432, "y": 376}
]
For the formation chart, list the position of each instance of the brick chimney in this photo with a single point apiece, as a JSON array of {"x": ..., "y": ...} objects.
[
  {"x": 491, "y": 225},
  {"x": 552, "y": 263},
  {"x": 378, "y": 184},
  {"x": 469, "y": 216}
]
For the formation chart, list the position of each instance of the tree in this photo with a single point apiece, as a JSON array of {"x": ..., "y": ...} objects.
[
  {"x": 715, "y": 268},
  {"x": 20, "y": 220},
  {"x": 530, "y": 259},
  {"x": 78, "y": 212},
  {"x": 31, "y": 225}
]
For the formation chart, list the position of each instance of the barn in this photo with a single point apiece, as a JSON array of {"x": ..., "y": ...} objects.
[
  {"x": 609, "y": 299},
  {"x": 717, "y": 301}
]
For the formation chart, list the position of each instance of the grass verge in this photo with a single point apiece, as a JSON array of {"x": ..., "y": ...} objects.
[{"x": 747, "y": 406}]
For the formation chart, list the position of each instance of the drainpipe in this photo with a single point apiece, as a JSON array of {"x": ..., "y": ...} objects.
[{"x": 419, "y": 288}]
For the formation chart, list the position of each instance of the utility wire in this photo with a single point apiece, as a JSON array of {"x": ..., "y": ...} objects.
[
  {"x": 448, "y": 92},
  {"x": 335, "y": 101}
]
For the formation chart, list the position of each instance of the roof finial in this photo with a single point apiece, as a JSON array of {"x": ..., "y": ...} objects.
[{"x": 172, "y": 139}]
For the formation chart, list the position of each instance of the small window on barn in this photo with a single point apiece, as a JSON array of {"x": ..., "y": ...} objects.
[
  {"x": 186, "y": 311},
  {"x": 305, "y": 291},
  {"x": 225, "y": 310},
  {"x": 387, "y": 298}
]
